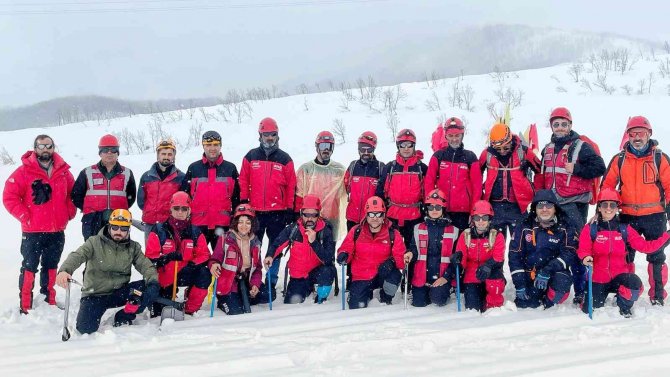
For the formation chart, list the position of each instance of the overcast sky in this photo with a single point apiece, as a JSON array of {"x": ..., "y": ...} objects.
[{"x": 52, "y": 48}]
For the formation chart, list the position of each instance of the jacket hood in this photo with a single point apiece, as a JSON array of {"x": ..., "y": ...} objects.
[
  {"x": 29, "y": 160},
  {"x": 545, "y": 196}
]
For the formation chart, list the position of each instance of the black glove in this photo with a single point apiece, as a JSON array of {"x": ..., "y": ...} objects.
[
  {"x": 630, "y": 255},
  {"x": 342, "y": 258},
  {"x": 150, "y": 293},
  {"x": 123, "y": 318},
  {"x": 167, "y": 258},
  {"x": 456, "y": 257},
  {"x": 483, "y": 272},
  {"x": 41, "y": 192}
]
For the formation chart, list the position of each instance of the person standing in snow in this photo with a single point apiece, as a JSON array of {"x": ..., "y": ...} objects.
[
  {"x": 608, "y": 246},
  {"x": 267, "y": 182},
  {"x": 212, "y": 182},
  {"x": 361, "y": 178},
  {"x": 109, "y": 256},
  {"x": 103, "y": 187},
  {"x": 641, "y": 174},
  {"x": 37, "y": 194}
]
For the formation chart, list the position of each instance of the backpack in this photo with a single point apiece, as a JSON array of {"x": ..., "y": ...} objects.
[
  {"x": 357, "y": 233},
  {"x": 573, "y": 153},
  {"x": 658, "y": 155},
  {"x": 352, "y": 165},
  {"x": 492, "y": 237},
  {"x": 623, "y": 229}
]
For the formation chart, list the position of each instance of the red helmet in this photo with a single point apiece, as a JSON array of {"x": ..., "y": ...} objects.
[
  {"x": 311, "y": 202},
  {"x": 436, "y": 197},
  {"x": 405, "y": 135},
  {"x": 482, "y": 207},
  {"x": 375, "y": 204},
  {"x": 325, "y": 137},
  {"x": 108, "y": 141},
  {"x": 453, "y": 125},
  {"x": 180, "y": 198},
  {"x": 560, "y": 112},
  {"x": 244, "y": 210},
  {"x": 608, "y": 194},
  {"x": 638, "y": 122},
  {"x": 369, "y": 138},
  {"x": 268, "y": 125}
]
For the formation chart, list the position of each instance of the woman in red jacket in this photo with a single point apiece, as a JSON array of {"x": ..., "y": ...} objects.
[
  {"x": 236, "y": 262},
  {"x": 480, "y": 251},
  {"x": 608, "y": 246}
]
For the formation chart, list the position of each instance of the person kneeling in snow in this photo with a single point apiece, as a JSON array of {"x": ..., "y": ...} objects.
[
  {"x": 311, "y": 248},
  {"x": 542, "y": 248},
  {"x": 608, "y": 246},
  {"x": 376, "y": 252},
  {"x": 236, "y": 263},
  {"x": 432, "y": 246},
  {"x": 178, "y": 244},
  {"x": 108, "y": 257},
  {"x": 481, "y": 252}
]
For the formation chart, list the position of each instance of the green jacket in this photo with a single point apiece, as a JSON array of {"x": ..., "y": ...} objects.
[{"x": 108, "y": 264}]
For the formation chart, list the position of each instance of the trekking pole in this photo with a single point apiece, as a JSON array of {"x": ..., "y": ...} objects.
[
  {"x": 66, "y": 331},
  {"x": 458, "y": 287},
  {"x": 344, "y": 282},
  {"x": 210, "y": 290},
  {"x": 404, "y": 295},
  {"x": 268, "y": 283},
  {"x": 589, "y": 270},
  {"x": 174, "y": 285},
  {"x": 211, "y": 308}
]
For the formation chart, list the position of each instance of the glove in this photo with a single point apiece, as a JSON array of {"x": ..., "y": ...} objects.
[
  {"x": 167, "y": 258},
  {"x": 521, "y": 294},
  {"x": 483, "y": 272},
  {"x": 342, "y": 258},
  {"x": 150, "y": 294},
  {"x": 541, "y": 280},
  {"x": 123, "y": 318},
  {"x": 456, "y": 257},
  {"x": 630, "y": 255},
  {"x": 41, "y": 192}
]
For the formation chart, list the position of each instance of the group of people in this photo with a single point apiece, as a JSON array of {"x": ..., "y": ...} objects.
[{"x": 436, "y": 226}]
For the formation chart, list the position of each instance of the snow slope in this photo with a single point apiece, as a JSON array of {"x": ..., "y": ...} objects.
[{"x": 309, "y": 339}]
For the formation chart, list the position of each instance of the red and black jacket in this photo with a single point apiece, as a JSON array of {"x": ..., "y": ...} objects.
[
  {"x": 456, "y": 172},
  {"x": 361, "y": 181},
  {"x": 268, "y": 182}
]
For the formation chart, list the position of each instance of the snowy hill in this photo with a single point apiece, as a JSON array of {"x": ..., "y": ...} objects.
[{"x": 309, "y": 339}]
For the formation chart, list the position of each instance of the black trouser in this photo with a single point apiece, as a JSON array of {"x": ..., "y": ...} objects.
[
  {"x": 505, "y": 217},
  {"x": 271, "y": 223},
  {"x": 91, "y": 223},
  {"x": 626, "y": 286},
  {"x": 426, "y": 295},
  {"x": 557, "y": 291},
  {"x": 652, "y": 227},
  {"x": 92, "y": 308},
  {"x": 212, "y": 235},
  {"x": 388, "y": 278},
  {"x": 460, "y": 220},
  {"x": 35, "y": 248},
  {"x": 575, "y": 214},
  {"x": 299, "y": 288},
  {"x": 407, "y": 232}
]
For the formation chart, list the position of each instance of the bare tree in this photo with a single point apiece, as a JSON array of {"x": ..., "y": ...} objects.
[
  {"x": 627, "y": 89},
  {"x": 651, "y": 81},
  {"x": 392, "y": 124},
  {"x": 468, "y": 95},
  {"x": 340, "y": 131},
  {"x": 664, "y": 67},
  {"x": 561, "y": 89},
  {"x": 666, "y": 47},
  {"x": 642, "y": 86},
  {"x": 302, "y": 89},
  {"x": 575, "y": 71},
  {"x": 5, "y": 157},
  {"x": 194, "y": 134},
  {"x": 586, "y": 85},
  {"x": 242, "y": 110},
  {"x": 392, "y": 96},
  {"x": 205, "y": 115},
  {"x": 433, "y": 103},
  {"x": 601, "y": 82},
  {"x": 305, "y": 103}
]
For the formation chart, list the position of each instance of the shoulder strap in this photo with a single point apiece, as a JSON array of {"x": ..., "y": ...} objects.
[
  {"x": 623, "y": 229},
  {"x": 467, "y": 237},
  {"x": 493, "y": 233},
  {"x": 351, "y": 172},
  {"x": 622, "y": 157},
  {"x": 162, "y": 233},
  {"x": 392, "y": 235},
  {"x": 593, "y": 228},
  {"x": 576, "y": 146}
]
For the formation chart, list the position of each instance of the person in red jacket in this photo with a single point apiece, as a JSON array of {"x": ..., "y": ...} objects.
[
  {"x": 608, "y": 246},
  {"x": 178, "y": 244},
  {"x": 212, "y": 182},
  {"x": 481, "y": 253},
  {"x": 158, "y": 184},
  {"x": 37, "y": 194},
  {"x": 431, "y": 247},
  {"x": 456, "y": 172},
  {"x": 361, "y": 178},
  {"x": 376, "y": 253},
  {"x": 508, "y": 186},
  {"x": 103, "y": 187},
  {"x": 267, "y": 182},
  {"x": 311, "y": 246},
  {"x": 236, "y": 263}
]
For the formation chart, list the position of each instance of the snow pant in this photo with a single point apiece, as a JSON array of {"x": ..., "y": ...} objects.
[
  {"x": 505, "y": 217},
  {"x": 299, "y": 288},
  {"x": 92, "y": 308},
  {"x": 388, "y": 279},
  {"x": 426, "y": 295},
  {"x": 212, "y": 235},
  {"x": 271, "y": 223},
  {"x": 485, "y": 295},
  {"x": 407, "y": 232},
  {"x": 196, "y": 277},
  {"x": 232, "y": 303},
  {"x": 461, "y": 220},
  {"x": 576, "y": 213},
  {"x": 556, "y": 293},
  {"x": 652, "y": 227},
  {"x": 91, "y": 223},
  {"x": 36, "y": 248},
  {"x": 628, "y": 287}
]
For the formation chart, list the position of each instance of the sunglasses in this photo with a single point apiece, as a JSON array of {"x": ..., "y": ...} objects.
[
  {"x": 325, "y": 146},
  {"x": 373, "y": 215},
  {"x": 610, "y": 205},
  {"x": 44, "y": 146},
  {"x": 560, "y": 124},
  {"x": 269, "y": 134},
  {"x": 505, "y": 148},
  {"x": 637, "y": 133},
  {"x": 481, "y": 217},
  {"x": 434, "y": 207},
  {"x": 366, "y": 149},
  {"x": 406, "y": 144},
  {"x": 109, "y": 150},
  {"x": 310, "y": 215},
  {"x": 545, "y": 205},
  {"x": 180, "y": 209},
  {"x": 211, "y": 143},
  {"x": 116, "y": 228}
]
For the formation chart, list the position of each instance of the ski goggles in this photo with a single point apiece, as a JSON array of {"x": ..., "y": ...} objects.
[
  {"x": 366, "y": 149},
  {"x": 108, "y": 150},
  {"x": 544, "y": 205},
  {"x": 309, "y": 215},
  {"x": 377, "y": 215},
  {"x": 269, "y": 134},
  {"x": 637, "y": 133},
  {"x": 560, "y": 125},
  {"x": 325, "y": 146},
  {"x": 44, "y": 146},
  {"x": 481, "y": 217},
  {"x": 122, "y": 228},
  {"x": 211, "y": 142},
  {"x": 610, "y": 205},
  {"x": 434, "y": 207},
  {"x": 180, "y": 208},
  {"x": 406, "y": 144}
]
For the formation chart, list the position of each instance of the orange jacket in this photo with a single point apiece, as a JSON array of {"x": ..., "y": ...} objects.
[{"x": 642, "y": 186}]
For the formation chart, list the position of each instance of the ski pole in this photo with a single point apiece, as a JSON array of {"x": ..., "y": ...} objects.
[
  {"x": 458, "y": 287},
  {"x": 344, "y": 282},
  {"x": 66, "y": 332},
  {"x": 210, "y": 290},
  {"x": 404, "y": 295},
  {"x": 589, "y": 270},
  {"x": 211, "y": 308},
  {"x": 269, "y": 284},
  {"x": 174, "y": 285}
]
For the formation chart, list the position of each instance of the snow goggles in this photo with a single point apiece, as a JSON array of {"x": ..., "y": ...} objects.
[
  {"x": 122, "y": 228},
  {"x": 373, "y": 215},
  {"x": 180, "y": 208},
  {"x": 481, "y": 217},
  {"x": 406, "y": 144},
  {"x": 108, "y": 150},
  {"x": 269, "y": 134},
  {"x": 44, "y": 146},
  {"x": 610, "y": 205},
  {"x": 310, "y": 215},
  {"x": 637, "y": 133},
  {"x": 434, "y": 207},
  {"x": 560, "y": 124},
  {"x": 366, "y": 149},
  {"x": 211, "y": 142},
  {"x": 325, "y": 146},
  {"x": 544, "y": 204}
]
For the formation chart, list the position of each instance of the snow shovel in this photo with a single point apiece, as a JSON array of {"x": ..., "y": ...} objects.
[{"x": 171, "y": 311}]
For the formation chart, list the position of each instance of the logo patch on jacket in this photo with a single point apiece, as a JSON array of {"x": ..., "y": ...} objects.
[
  {"x": 278, "y": 167},
  {"x": 529, "y": 237},
  {"x": 554, "y": 240},
  {"x": 601, "y": 238},
  {"x": 255, "y": 165}
]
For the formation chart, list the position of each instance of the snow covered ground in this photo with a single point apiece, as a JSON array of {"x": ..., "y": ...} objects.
[{"x": 314, "y": 339}]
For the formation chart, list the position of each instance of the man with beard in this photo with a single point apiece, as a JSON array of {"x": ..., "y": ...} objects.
[
  {"x": 158, "y": 184},
  {"x": 267, "y": 182},
  {"x": 323, "y": 178},
  {"x": 38, "y": 195},
  {"x": 360, "y": 180}
]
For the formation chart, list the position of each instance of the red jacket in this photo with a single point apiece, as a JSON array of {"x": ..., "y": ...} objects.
[
  {"x": 401, "y": 186},
  {"x": 421, "y": 241},
  {"x": 478, "y": 252},
  {"x": 370, "y": 250},
  {"x": 456, "y": 172},
  {"x": 51, "y": 216},
  {"x": 215, "y": 191},
  {"x": 360, "y": 181},
  {"x": 268, "y": 182},
  {"x": 305, "y": 256},
  {"x": 154, "y": 194},
  {"x": 102, "y": 193},
  {"x": 228, "y": 254},
  {"x": 609, "y": 250}
]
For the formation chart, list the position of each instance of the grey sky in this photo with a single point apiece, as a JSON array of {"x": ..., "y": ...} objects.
[{"x": 196, "y": 53}]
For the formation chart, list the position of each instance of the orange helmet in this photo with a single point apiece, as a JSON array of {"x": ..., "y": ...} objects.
[
  {"x": 166, "y": 144},
  {"x": 482, "y": 207},
  {"x": 375, "y": 204},
  {"x": 435, "y": 197},
  {"x": 500, "y": 134},
  {"x": 121, "y": 217}
]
